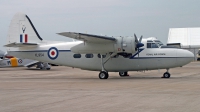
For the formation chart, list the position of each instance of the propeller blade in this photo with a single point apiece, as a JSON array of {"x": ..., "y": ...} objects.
[
  {"x": 140, "y": 39},
  {"x": 5, "y": 53},
  {"x": 138, "y": 43},
  {"x": 136, "y": 39}
]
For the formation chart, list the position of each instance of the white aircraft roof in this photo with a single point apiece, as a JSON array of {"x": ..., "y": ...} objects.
[{"x": 185, "y": 36}]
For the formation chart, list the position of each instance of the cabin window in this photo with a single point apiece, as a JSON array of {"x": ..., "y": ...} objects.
[
  {"x": 99, "y": 56},
  {"x": 89, "y": 55},
  {"x": 77, "y": 55}
]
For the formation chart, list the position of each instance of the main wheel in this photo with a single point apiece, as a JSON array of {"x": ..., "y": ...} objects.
[
  {"x": 48, "y": 68},
  {"x": 103, "y": 75},
  {"x": 166, "y": 75},
  {"x": 122, "y": 74}
]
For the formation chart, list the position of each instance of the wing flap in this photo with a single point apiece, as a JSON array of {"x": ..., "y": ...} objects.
[
  {"x": 88, "y": 37},
  {"x": 21, "y": 45}
]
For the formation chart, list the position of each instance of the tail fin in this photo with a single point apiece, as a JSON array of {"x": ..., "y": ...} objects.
[{"x": 22, "y": 30}]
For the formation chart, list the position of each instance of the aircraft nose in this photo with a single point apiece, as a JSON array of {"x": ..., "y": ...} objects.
[
  {"x": 189, "y": 54},
  {"x": 184, "y": 57}
]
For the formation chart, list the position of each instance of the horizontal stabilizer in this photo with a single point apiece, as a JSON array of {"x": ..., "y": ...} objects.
[
  {"x": 32, "y": 64},
  {"x": 88, "y": 37},
  {"x": 21, "y": 45}
]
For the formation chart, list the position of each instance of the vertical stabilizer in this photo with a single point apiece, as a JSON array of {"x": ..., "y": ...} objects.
[{"x": 22, "y": 30}]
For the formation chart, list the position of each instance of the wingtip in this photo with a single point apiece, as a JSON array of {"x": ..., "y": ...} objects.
[{"x": 61, "y": 33}]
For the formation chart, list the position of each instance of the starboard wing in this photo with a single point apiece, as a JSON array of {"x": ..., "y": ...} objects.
[{"x": 88, "y": 37}]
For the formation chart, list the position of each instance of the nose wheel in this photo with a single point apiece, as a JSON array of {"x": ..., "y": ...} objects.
[{"x": 166, "y": 74}]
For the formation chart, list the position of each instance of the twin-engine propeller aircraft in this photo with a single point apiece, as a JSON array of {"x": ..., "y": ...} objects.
[
  {"x": 10, "y": 61},
  {"x": 94, "y": 52}
]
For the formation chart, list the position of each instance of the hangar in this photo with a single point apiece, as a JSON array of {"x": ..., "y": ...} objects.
[{"x": 185, "y": 38}]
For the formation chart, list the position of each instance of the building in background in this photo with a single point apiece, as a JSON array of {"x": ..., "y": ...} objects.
[{"x": 187, "y": 38}]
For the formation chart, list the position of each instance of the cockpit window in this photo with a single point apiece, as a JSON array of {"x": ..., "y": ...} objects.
[
  {"x": 199, "y": 52},
  {"x": 158, "y": 42},
  {"x": 152, "y": 45},
  {"x": 148, "y": 45}
]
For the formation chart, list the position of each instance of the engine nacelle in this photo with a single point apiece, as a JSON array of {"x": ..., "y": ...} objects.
[
  {"x": 125, "y": 44},
  {"x": 122, "y": 46}
]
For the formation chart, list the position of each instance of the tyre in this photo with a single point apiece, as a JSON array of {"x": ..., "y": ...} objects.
[
  {"x": 48, "y": 68},
  {"x": 103, "y": 75},
  {"x": 122, "y": 74},
  {"x": 166, "y": 75}
]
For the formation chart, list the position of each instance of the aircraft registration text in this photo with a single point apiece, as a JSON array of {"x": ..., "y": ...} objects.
[
  {"x": 155, "y": 54},
  {"x": 39, "y": 54}
]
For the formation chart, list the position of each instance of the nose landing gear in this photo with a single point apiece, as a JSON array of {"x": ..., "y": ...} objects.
[{"x": 166, "y": 74}]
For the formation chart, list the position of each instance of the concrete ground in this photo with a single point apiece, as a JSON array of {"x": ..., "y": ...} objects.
[{"x": 64, "y": 89}]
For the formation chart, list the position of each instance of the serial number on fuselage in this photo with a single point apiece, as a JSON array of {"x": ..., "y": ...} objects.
[
  {"x": 155, "y": 54},
  {"x": 39, "y": 54}
]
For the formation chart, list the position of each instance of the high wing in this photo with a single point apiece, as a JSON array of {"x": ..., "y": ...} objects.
[
  {"x": 88, "y": 37},
  {"x": 21, "y": 45}
]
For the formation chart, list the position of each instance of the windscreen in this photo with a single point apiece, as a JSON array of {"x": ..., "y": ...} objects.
[{"x": 158, "y": 42}]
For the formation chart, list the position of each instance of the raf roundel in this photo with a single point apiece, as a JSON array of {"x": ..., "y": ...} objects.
[
  {"x": 53, "y": 53},
  {"x": 20, "y": 61}
]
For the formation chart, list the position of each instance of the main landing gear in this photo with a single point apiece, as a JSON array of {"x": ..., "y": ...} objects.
[
  {"x": 103, "y": 73},
  {"x": 166, "y": 74},
  {"x": 123, "y": 74},
  {"x": 43, "y": 66}
]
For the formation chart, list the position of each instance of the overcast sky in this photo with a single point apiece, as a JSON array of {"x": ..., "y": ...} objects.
[{"x": 103, "y": 17}]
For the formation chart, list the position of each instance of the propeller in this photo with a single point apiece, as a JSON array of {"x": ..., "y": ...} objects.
[
  {"x": 2, "y": 55},
  {"x": 7, "y": 56},
  {"x": 138, "y": 43}
]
